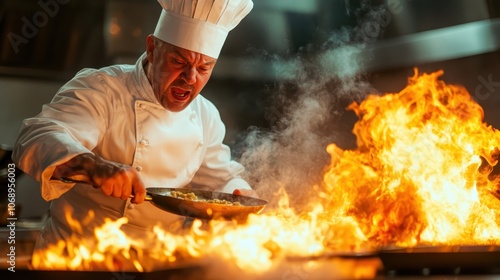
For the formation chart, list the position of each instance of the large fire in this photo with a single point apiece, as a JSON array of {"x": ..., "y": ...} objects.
[{"x": 421, "y": 174}]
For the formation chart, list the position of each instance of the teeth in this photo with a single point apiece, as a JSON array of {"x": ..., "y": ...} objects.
[{"x": 180, "y": 94}]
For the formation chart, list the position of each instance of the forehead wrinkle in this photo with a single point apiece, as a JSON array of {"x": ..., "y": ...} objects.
[{"x": 197, "y": 56}]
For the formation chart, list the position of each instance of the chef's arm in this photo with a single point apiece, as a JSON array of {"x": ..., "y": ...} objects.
[
  {"x": 114, "y": 179},
  {"x": 218, "y": 172}
]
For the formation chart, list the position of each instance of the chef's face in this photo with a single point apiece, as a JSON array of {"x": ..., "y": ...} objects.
[{"x": 177, "y": 75}]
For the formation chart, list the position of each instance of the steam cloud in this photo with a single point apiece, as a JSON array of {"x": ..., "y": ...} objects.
[{"x": 309, "y": 104}]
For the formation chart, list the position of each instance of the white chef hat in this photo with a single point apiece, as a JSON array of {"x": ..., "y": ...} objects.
[{"x": 200, "y": 25}]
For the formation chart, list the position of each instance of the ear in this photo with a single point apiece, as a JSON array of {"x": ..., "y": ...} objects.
[{"x": 150, "y": 46}]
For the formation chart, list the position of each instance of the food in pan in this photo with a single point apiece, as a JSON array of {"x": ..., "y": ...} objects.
[{"x": 194, "y": 197}]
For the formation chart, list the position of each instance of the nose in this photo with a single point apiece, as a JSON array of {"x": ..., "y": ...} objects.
[{"x": 189, "y": 75}]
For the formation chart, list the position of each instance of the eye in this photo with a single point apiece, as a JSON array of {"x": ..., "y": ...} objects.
[
  {"x": 177, "y": 61},
  {"x": 204, "y": 69}
]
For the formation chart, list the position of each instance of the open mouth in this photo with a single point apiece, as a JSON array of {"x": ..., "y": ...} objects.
[{"x": 180, "y": 94}]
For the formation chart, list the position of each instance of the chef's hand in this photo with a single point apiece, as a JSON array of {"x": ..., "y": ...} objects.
[
  {"x": 246, "y": 192},
  {"x": 114, "y": 179}
]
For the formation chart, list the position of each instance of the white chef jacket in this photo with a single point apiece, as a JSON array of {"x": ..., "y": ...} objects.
[{"x": 114, "y": 113}]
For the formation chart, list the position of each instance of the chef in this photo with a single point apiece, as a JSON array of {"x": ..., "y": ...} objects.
[{"x": 123, "y": 128}]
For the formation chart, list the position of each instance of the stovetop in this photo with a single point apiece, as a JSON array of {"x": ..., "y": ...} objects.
[{"x": 327, "y": 268}]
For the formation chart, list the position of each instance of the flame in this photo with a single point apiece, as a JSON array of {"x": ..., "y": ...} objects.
[
  {"x": 261, "y": 244},
  {"x": 112, "y": 249},
  {"x": 422, "y": 173}
]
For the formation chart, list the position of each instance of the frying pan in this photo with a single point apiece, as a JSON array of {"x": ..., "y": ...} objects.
[
  {"x": 202, "y": 209},
  {"x": 473, "y": 258},
  {"x": 161, "y": 197}
]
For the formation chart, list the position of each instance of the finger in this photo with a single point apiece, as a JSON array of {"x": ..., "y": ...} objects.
[
  {"x": 245, "y": 192},
  {"x": 117, "y": 189},
  {"x": 107, "y": 188},
  {"x": 126, "y": 191},
  {"x": 237, "y": 192},
  {"x": 126, "y": 186},
  {"x": 139, "y": 190}
]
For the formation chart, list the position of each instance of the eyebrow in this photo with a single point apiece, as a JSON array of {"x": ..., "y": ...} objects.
[{"x": 211, "y": 62}]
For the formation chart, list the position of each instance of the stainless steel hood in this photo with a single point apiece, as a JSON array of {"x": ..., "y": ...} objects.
[
  {"x": 66, "y": 36},
  {"x": 448, "y": 43}
]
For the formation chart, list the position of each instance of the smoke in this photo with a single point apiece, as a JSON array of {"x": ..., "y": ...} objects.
[{"x": 307, "y": 112}]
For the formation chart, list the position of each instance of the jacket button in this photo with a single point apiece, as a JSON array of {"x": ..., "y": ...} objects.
[
  {"x": 144, "y": 142},
  {"x": 138, "y": 168}
]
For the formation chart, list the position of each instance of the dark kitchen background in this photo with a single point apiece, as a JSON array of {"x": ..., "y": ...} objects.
[{"x": 266, "y": 63}]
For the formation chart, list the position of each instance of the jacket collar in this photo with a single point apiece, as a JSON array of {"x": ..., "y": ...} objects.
[{"x": 142, "y": 85}]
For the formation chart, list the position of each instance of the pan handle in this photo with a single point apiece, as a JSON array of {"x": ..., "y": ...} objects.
[
  {"x": 69, "y": 180},
  {"x": 147, "y": 197}
]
